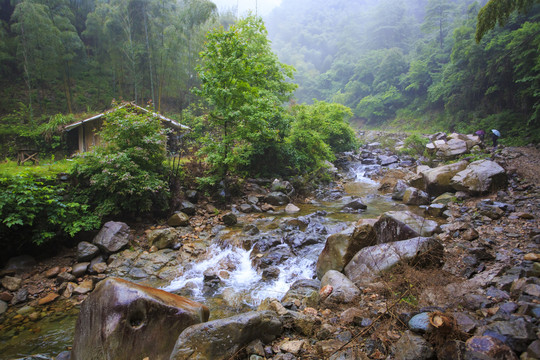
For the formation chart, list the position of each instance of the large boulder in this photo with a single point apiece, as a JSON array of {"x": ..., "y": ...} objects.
[
  {"x": 303, "y": 292},
  {"x": 343, "y": 290},
  {"x": 401, "y": 225},
  {"x": 86, "y": 251},
  {"x": 276, "y": 198},
  {"x": 341, "y": 247},
  {"x": 112, "y": 237},
  {"x": 370, "y": 262},
  {"x": 122, "y": 320},
  {"x": 453, "y": 148},
  {"x": 414, "y": 196},
  {"x": 221, "y": 339},
  {"x": 438, "y": 179},
  {"x": 480, "y": 177}
]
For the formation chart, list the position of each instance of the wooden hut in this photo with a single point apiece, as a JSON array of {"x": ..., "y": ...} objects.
[{"x": 83, "y": 135}]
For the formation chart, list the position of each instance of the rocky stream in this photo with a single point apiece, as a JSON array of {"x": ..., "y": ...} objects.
[{"x": 393, "y": 260}]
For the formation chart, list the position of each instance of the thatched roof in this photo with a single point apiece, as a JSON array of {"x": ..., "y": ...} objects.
[{"x": 166, "y": 120}]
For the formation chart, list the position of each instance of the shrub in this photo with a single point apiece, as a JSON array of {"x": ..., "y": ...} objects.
[
  {"x": 127, "y": 175},
  {"x": 37, "y": 210},
  {"x": 415, "y": 144}
]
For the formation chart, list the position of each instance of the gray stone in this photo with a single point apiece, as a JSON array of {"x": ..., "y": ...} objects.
[
  {"x": 420, "y": 323},
  {"x": 65, "y": 277},
  {"x": 413, "y": 196},
  {"x": 355, "y": 204},
  {"x": 436, "y": 210},
  {"x": 438, "y": 179},
  {"x": 229, "y": 219},
  {"x": 304, "y": 292},
  {"x": 120, "y": 319},
  {"x": 20, "y": 296},
  {"x": 192, "y": 195},
  {"x": 480, "y": 177},
  {"x": 341, "y": 247},
  {"x": 515, "y": 333},
  {"x": 163, "y": 238},
  {"x": 187, "y": 207},
  {"x": 11, "y": 283},
  {"x": 291, "y": 209},
  {"x": 399, "y": 190},
  {"x": 19, "y": 264},
  {"x": 3, "y": 307},
  {"x": 276, "y": 198},
  {"x": 80, "y": 269},
  {"x": 369, "y": 262},
  {"x": 112, "y": 237},
  {"x": 401, "y": 225},
  {"x": 86, "y": 251},
  {"x": 413, "y": 347},
  {"x": 487, "y": 347},
  {"x": 343, "y": 290},
  {"x": 221, "y": 339},
  {"x": 178, "y": 219}
]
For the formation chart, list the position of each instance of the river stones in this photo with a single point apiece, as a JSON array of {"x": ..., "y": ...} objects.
[
  {"x": 371, "y": 261},
  {"x": 401, "y": 225},
  {"x": 413, "y": 347},
  {"x": 437, "y": 180},
  {"x": 480, "y": 177},
  {"x": 112, "y": 237},
  {"x": 163, "y": 238},
  {"x": 86, "y": 251},
  {"x": 343, "y": 290},
  {"x": 341, "y": 247},
  {"x": 221, "y": 339},
  {"x": 120, "y": 319},
  {"x": 178, "y": 219}
]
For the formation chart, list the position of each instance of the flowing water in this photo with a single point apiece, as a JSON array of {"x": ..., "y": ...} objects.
[{"x": 238, "y": 285}]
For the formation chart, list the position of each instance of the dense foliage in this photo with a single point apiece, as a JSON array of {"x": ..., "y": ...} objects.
[
  {"x": 35, "y": 210},
  {"x": 417, "y": 62},
  {"x": 126, "y": 177}
]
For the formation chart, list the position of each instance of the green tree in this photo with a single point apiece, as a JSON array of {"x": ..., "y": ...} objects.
[
  {"x": 497, "y": 12},
  {"x": 245, "y": 86}
]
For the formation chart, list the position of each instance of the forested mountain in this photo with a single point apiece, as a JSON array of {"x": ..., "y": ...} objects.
[
  {"x": 414, "y": 63},
  {"x": 414, "y": 60},
  {"x": 76, "y": 55}
]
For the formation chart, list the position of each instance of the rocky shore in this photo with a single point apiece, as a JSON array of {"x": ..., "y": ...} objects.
[{"x": 455, "y": 278}]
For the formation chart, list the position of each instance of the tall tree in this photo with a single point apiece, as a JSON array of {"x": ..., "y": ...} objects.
[
  {"x": 497, "y": 12},
  {"x": 245, "y": 85}
]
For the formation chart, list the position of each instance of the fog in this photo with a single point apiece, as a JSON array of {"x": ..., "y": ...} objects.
[{"x": 261, "y": 7}]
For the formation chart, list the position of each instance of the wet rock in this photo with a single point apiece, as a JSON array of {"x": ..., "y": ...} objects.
[
  {"x": 120, "y": 315},
  {"x": 178, "y": 219},
  {"x": 438, "y": 180},
  {"x": 515, "y": 333},
  {"x": 465, "y": 322},
  {"x": 276, "y": 198},
  {"x": 413, "y": 347},
  {"x": 86, "y": 251},
  {"x": 20, "y": 296},
  {"x": 401, "y": 225},
  {"x": 480, "y": 177},
  {"x": 221, "y": 339},
  {"x": 436, "y": 210},
  {"x": 341, "y": 247},
  {"x": 52, "y": 272},
  {"x": 229, "y": 219},
  {"x": 270, "y": 273},
  {"x": 65, "y": 277},
  {"x": 84, "y": 287},
  {"x": 303, "y": 292},
  {"x": 293, "y": 346},
  {"x": 384, "y": 160},
  {"x": 445, "y": 199},
  {"x": 19, "y": 264},
  {"x": 112, "y": 237},
  {"x": 413, "y": 196},
  {"x": 291, "y": 209},
  {"x": 50, "y": 297},
  {"x": 369, "y": 262},
  {"x": 453, "y": 148},
  {"x": 282, "y": 186},
  {"x": 11, "y": 283},
  {"x": 355, "y": 205},
  {"x": 420, "y": 323},
  {"x": 343, "y": 290},
  {"x": 6, "y": 296},
  {"x": 187, "y": 207},
  {"x": 80, "y": 269},
  {"x": 481, "y": 347},
  {"x": 3, "y": 307},
  {"x": 273, "y": 257},
  {"x": 163, "y": 238},
  {"x": 399, "y": 190}
]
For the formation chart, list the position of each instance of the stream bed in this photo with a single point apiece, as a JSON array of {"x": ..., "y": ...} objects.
[{"x": 235, "y": 284}]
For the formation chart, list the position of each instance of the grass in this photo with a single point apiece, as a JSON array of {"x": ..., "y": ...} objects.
[{"x": 47, "y": 167}]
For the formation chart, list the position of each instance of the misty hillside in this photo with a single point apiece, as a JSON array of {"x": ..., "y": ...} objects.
[{"x": 393, "y": 58}]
